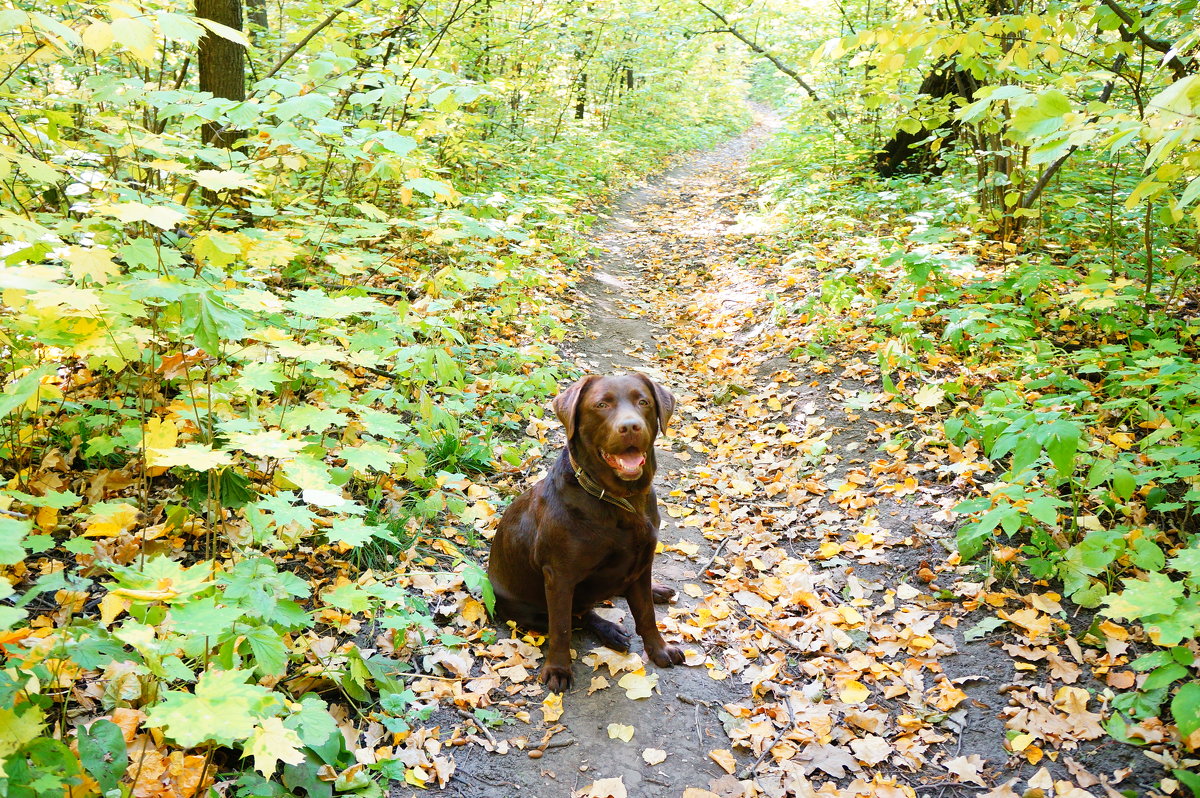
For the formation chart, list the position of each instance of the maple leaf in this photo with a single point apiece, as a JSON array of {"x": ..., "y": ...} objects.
[
  {"x": 17, "y": 727},
  {"x": 1157, "y": 594},
  {"x": 871, "y": 749},
  {"x": 223, "y": 709},
  {"x": 271, "y": 743},
  {"x": 111, "y": 520},
  {"x": 95, "y": 263},
  {"x": 195, "y": 456},
  {"x": 130, "y": 212},
  {"x": 266, "y": 443}
]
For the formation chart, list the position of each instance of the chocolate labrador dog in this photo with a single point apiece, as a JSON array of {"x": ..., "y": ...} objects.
[{"x": 587, "y": 532}]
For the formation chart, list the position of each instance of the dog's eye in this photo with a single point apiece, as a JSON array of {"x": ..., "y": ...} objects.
[
  {"x": 644, "y": 402},
  {"x": 601, "y": 405}
]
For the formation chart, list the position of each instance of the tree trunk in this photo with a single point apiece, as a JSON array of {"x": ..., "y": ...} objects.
[
  {"x": 581, "y": 94},
  {"x": 256, "y": 15},
  {"x": 903, "y": 155},
  {"x": 222, "y": 64}
]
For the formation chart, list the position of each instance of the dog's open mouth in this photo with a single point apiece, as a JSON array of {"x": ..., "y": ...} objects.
[{"x": 627, "y": 464}]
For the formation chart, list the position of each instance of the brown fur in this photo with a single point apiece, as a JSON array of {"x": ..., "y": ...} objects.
[{"x": 559, "y": 550}]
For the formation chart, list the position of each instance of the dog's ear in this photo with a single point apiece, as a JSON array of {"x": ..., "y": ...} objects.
[
  {"x": 566, "y": 403},
  {"x": 664, "y": 400}
]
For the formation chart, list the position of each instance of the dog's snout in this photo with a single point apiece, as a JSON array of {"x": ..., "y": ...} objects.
[{"x": 630, "y": 425}]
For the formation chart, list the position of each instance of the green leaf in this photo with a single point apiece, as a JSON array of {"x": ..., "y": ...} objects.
[
  {"x": 1164, "y": 676},
  {"x": 22, "y": 390},
  {"x": 270, "y": 654},
  {"x": 1142, "y": 598},
  {"x": 355, "y": 532},
  {"x": 204, "y": 618},
  {"x": 1062, "y": 445},
  {"x": 476, "y": 580},
  {"x": 12, "y": 536},
  {"x": 981, "y": 629},
  {"x": 1185, "y": 708},
  {"x": 18, "y": 726},
  {"x": 102, "y": 751},
  {"x": 223, "y": 710},
  {"x": 1189, "y": 780},
  {"x": 1123, "y": 483}
]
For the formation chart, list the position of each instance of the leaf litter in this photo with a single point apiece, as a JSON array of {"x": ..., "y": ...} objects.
[{"x": 810, "y": 518}]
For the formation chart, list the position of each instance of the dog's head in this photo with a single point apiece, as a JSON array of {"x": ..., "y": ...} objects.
[{"x": 613, "y": 420}]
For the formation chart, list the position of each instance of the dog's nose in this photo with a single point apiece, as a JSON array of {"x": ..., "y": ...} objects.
[{"x": 630, "y": 426}]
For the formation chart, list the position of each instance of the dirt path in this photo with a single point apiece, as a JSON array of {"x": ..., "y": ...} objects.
[{"x": 808, "y": 529}]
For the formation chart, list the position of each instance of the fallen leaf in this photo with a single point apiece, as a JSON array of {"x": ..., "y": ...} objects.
[
  {"x": 967, "y": 768},
  {"x": 552, "y": 707},
  {"x": 620, "y": 731},
  {"x": 723, "y": 758},
  {"x": 654, "y": 756},
  {"x": 638, "y": 685},
  {"x": 604, "y": 788}
]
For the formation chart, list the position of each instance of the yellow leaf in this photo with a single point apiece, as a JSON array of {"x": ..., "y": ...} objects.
[
  {"x": 620, "y": 731},
  {"x": 1020, "y": 742},
  {"x": 829, "y": 549},
  {"x": 112, "y": 521},
  {"x": 47, "y": 518},
  {"x": 854, "y": 692},
  {"x": 605, "y": 788},
  {"x": 111, "y": 606},
  {"x": 638, "y": 685},
  {"x": 195, "y": 456},
  {"x": 130, "y": 212},
  {"x": 552, "y": 707},
  {"x": 97, "y": 37},
  {"x": 723, "y": 758},
  {"x": 270, "y": 743},
  {"x": 94, "y": 262},
  {"x": 654, "y": 756},
  {"x": 18, "y": 729},
  {"x": 160, "y": 435},
  {"x": 1123, "y": 440}
]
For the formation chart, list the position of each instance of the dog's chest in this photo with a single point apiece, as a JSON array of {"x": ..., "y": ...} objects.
[{"x": 622, "y": 558}]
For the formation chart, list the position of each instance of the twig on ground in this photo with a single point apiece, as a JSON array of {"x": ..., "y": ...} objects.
[
  {"x": 752, "y": 771},
  {"x": 714, "y": 557},
  {"x": 483, "y": 729}
]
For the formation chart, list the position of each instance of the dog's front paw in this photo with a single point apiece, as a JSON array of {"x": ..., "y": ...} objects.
[
  {"x": 667, "y": 656},
  {"x": 557, "y": 678},
  {"x": 661, "y": 594},
  {"x": 611, "y": 634}
]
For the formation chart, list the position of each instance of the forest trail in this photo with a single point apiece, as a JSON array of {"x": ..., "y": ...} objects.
[{"x": 808, "y": 528}]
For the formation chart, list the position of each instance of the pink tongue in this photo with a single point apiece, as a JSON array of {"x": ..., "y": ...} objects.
[{"x": 631, "y": 462}]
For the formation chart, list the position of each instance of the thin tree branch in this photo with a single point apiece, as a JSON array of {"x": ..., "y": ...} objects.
[
  {"x": 753, "y": 45},
  {"x": 1035, "y": 191},
  {"x": 320, "y": 26},
  {"x": 1135, "y": 29}
]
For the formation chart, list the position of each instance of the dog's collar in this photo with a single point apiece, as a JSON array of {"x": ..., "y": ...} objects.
[{"x": 595, "y": 488}]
